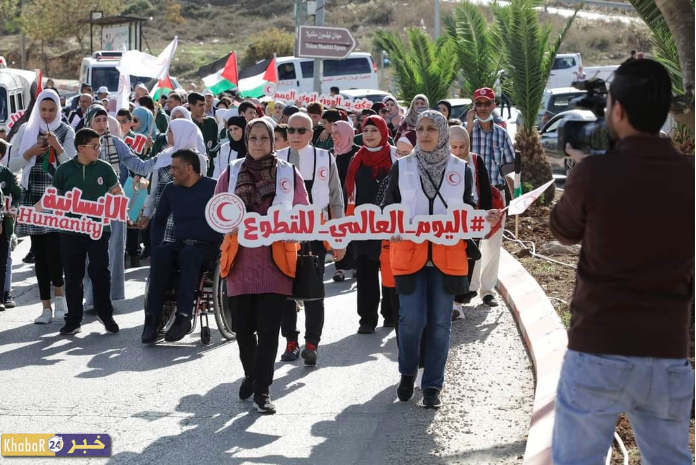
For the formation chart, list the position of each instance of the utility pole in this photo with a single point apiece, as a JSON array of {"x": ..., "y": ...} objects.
[
  {"x": 24, "y": 42},
  {"x": 437, "y": 20},
  {"x": 318, "y": 71}
]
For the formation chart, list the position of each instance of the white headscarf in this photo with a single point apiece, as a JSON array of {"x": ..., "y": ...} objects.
[
  {"x": 34, "y": 126},
  {"x": 183, "y": 111},
  {"x": 186, "y": 136}
]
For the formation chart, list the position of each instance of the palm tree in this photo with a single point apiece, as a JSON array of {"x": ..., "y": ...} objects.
[
  {"x": 529, "y": 55},
  {"x": 426, "y": 67},
  {"x": 667, "y": 52},
  {"x": 478, "y": 47}
]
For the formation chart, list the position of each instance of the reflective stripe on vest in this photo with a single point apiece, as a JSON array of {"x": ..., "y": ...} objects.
[
  {"x": 284, "y": 255},
  {"x": 408, "y": 257},
  {"x": 322, "y": 172},
  {"x": 285, "y": 182}
]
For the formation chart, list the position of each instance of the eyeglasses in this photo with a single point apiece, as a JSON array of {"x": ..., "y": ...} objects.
[
  {"x": 300, "y": 131},
  {"x": 93, "y": 146},
  {"x": 486, "y": 103}
]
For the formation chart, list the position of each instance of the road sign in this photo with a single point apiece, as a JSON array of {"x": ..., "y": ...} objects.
[{"x": 324, "y": 42}]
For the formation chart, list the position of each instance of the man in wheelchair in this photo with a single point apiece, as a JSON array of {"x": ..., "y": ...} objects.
[{"x": 195, "y": 247}]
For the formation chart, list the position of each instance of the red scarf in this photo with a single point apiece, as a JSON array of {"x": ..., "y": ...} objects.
[{"x": 378, "y": 161}]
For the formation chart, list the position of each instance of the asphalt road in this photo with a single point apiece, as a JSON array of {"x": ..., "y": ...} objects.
[{"x": 177, "y": 403}]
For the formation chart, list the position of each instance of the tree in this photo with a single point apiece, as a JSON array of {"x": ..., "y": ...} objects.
[
  {"x": 426, "y": 67},
  {"x": 672, "y": 26},
  {"x": 266, "y": 43},
  {"x": 478, "y": 47},
  {"x": 172, "y": 12},
  {"x": 529, "y": 55},
  {"x": 63, "y": 18}
]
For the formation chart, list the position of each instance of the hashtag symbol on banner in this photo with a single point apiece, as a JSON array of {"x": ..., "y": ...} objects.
[{"x": 477, "y": 224}]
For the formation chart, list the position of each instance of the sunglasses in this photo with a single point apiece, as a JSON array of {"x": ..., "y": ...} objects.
[
  {"x": 300, "y": 131},
  {"x": 486, "y": 103}
]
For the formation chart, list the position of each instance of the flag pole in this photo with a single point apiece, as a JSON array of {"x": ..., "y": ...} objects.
[{"x": 518, "y": 188}]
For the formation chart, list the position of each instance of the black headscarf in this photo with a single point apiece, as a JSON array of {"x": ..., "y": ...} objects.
[
  {"x": 448, "y": 105},
  {"x": 238, "y": 146}
]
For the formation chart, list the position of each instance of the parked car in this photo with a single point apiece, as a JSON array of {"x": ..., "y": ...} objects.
[
  {"x": 556, "y": 156},
  {"x": 564, "y": 70},
  {"x": 556, "y": 101},
  {"x": 374, "y": 96}
]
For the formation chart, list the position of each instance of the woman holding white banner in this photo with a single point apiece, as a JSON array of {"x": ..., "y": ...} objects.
[
  {"x": 259, "y": 280},
  {"x": 45, "y": 142},
  {"x": 115, "y": 152},
  {"x": 428, "y": 275}
]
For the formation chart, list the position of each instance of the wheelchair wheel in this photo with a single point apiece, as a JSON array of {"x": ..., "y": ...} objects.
[
  {"x": 205, "y": 335},
  {"x": 223, "y": 315}
]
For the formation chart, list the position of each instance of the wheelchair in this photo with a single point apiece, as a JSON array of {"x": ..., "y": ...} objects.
[{"x": 210, "y": 296}]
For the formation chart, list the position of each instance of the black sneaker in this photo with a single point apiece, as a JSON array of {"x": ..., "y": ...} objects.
[
  {"x": 150, "y": 333},
  {"x": 180, "y": 328},
  {"x": 2, "y": 307},
  {"x": 309, "y": 354},
  {"x": 70, "y": 328},
  {"x": 489, "y": 301},
  {"x": 468, "y": 296},
  {"x": 9, "y": 300},
  {"x": 405, "y": 390},
  {"x": 366, "y": 329},
  {"x": 109, "y": 323},
  {"x": 247, "y": 388},
  {"x": 29, "y": 258},
  {"x": 431, "y": 398},
  {"x": 292, "y": 351},
  {"x": 263, "y": 405},
  {"x": 388, "y": 323}
]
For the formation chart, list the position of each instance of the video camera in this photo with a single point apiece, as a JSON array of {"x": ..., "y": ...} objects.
[{"x": 592, "y": 137}]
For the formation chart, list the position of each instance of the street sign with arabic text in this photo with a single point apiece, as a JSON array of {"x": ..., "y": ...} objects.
[{"x": 324, "y": 42}]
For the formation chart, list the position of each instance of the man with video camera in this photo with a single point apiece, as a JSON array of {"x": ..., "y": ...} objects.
[{"x": 633, "y": 210}]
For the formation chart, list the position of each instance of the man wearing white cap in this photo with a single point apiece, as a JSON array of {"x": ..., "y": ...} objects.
[
  {"x": 140, "y": 91},
  {"x": 209, "y": 102},
  {"x": 102, "y": 93}
]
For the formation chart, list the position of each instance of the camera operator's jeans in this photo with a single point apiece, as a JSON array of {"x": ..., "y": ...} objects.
[{"x": 655, "y": 393}]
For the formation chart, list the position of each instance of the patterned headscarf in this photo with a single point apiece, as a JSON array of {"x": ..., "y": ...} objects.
[
  {"x": 257, "y": 177},
  {"x": 411, "y": 116},
  {"x": 431, "y": 165}
]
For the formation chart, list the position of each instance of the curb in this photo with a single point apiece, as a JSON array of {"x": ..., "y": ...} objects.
[{"x": 546, "y": 340}]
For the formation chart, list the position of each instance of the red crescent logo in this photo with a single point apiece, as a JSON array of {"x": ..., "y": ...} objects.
[
  {"x": 322, "y": 173},
  {"x": 220, "y": 209},
  {"x": 454, "y": 178},
  {"x": 285, "y": 185},
  {"x": 224, "y": 212}
]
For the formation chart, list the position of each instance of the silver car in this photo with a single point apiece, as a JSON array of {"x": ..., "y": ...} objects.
[{"x": 556, "y": 155}]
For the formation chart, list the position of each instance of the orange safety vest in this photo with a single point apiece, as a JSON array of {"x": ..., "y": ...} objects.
[
  {"x": 385, "y": 265},
  {"x": 409, "y": 258},
  {"x": 284, "y": 255}
]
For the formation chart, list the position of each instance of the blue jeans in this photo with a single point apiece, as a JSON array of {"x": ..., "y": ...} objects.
[
  {"x": 117, "y": 249},
  {"x": 655, "y": 393},
  {"x": 427, "y": 306}
]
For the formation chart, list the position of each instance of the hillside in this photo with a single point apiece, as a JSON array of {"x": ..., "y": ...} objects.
[{"x": 206, "y": 33}]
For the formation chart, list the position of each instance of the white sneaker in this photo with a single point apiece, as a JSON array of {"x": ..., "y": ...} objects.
[
  {"x": 61, "y": 309},
  {"x": 458, "y": 312},
  {"x": 45, "y": 317}
]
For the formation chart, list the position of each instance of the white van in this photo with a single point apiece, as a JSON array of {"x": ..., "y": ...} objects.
[
  {"x": 15, "y": 94},
  {"x": 100, "y": 70},
  {"x": 564, "y": 70},
  {"x": 358, "y": 71}
]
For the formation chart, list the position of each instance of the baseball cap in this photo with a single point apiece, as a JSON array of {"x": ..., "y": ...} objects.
[
  {"x": 290, "y": 110},
  {"x": 103, "y": 90},
  {"x": 207, "y": 92},
  {"x": 484, "y": 93}
]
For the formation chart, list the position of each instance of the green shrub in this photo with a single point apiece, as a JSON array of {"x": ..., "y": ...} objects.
[
  {"x": 139, "y": 8},
  {"x": 264, "y": 44}
]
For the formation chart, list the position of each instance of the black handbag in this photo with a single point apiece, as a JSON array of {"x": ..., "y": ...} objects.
[{"x": 309, "y": 276}]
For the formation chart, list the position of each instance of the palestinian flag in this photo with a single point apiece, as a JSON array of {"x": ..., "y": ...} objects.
[
  {"x": 253, "y": 79},
  {"x": 163, "y": 86},
  {"x": 220, "y": 75}
]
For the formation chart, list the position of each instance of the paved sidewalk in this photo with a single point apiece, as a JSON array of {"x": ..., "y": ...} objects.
[{"x": 177, "y": 403}]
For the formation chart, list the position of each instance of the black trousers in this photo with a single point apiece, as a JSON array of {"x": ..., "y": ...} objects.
[
  {"x": 368, "y": 290},
  {"x": 348, "y": 262},
  {"x": 48, "y": 265},
  {"x": 389, "y": 293},
  {"x": 133, "y": 241},
  {"x": 314, "y": 309},
  {"x": 186, "y": 261},
  {"x": 75, "y": 249},
  {"x": 257, "y": 323},
  {"x": 459, "y": 298}
]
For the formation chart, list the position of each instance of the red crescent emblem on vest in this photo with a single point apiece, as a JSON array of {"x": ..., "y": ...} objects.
[
  {"x": 323, "y": 174},
  {"x": 285, "y": 185},
  {"x": 454, "y": 178}
]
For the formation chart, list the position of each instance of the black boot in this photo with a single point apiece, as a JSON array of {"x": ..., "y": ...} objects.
[
  {"x": 405, "y": 390},
  {"x": 179, "y": 329},
  {"x": 150, "y": 329}
]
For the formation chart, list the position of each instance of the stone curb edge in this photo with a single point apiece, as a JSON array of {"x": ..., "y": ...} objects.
[{"x": 546, "y": 340}]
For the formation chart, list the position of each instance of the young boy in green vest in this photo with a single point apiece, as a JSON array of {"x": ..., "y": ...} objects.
[{"x": 95, "y": 178}]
